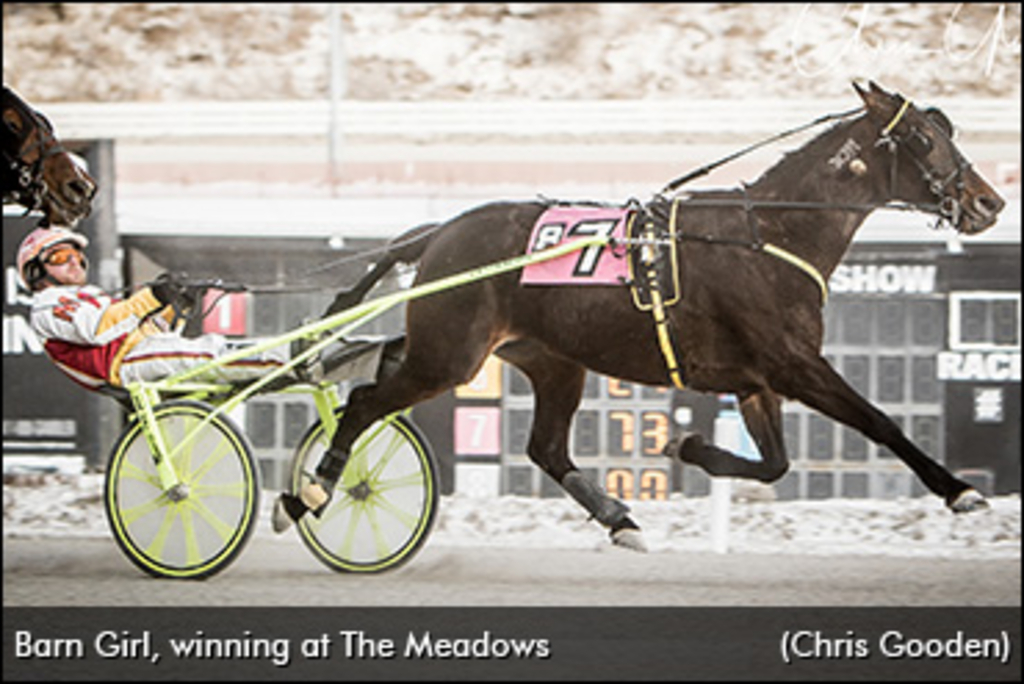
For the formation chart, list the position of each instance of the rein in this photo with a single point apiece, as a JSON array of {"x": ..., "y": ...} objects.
[
  {"x": 708, "y": 168},
  {"x": 946, "y": 210}
]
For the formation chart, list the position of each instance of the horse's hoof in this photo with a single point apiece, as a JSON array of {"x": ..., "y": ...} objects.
[
  {"x": 629, "y": 538},
  {"x": 287, "y": 510},
  {"x": 968, "y": 501}
]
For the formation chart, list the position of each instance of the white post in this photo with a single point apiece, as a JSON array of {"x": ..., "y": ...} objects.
[
  {"x": 338, "y": 87},
  {"x": 721, "y": 494},
  {"x": 727, "y": 436}
]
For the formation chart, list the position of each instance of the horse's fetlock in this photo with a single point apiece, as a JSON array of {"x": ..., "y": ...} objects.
[
  {"x": 689, "y": 449},
  {"x": 773, "y": 472}
]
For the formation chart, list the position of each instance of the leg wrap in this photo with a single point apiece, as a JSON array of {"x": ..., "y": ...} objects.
[
  {"x": 606, "y": 510},
  {"x": 331, "y": 465}
]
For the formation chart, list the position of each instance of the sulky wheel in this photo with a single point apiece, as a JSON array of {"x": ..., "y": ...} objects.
[
  {"x": 198, "y": 528},
  {"x": 383, "y": 507}
]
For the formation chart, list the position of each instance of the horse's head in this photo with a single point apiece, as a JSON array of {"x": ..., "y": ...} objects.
[
  {"x": 38, "y": 172},
  {"x": 926, "y": 168}
]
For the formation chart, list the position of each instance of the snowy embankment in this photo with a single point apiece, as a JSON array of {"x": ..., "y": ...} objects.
[{"x": 73, "y": 506}]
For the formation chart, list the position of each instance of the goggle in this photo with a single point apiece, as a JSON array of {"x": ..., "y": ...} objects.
[{"x": 63, "y": 255}]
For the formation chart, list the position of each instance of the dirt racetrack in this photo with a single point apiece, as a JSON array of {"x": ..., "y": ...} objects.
[{"x": 276, "y": 571}]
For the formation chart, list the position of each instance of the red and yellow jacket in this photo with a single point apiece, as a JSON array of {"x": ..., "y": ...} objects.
[{"x": 87, "y": 333}]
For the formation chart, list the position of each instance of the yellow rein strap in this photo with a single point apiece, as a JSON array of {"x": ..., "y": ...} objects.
[{"x": 802, "y": 265}]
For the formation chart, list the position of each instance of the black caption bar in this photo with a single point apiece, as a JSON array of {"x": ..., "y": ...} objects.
[{"x": 613, "y": 644}]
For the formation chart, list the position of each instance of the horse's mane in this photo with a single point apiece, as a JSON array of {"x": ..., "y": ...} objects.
[{"x": 791, "y": 170}]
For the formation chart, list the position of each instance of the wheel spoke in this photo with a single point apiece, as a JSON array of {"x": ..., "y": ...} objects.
[
  {"x": 231, "y": 490},
  {"x": 338, "y": 507},
  {"x": 348, "y": 539},
  {"x": 130, "y": 471},
  {"x": 223, "y": 448},
  {"x": 386, "y": 457},
  {"x": 408, "y": 519},
  {"x": 414, "y": 479},
  {"x": 159, "y": 541},
  {"x": 223, "y": 529},
  {"x": 132, "y": 515},
  {"x": 383, "y": 550}
]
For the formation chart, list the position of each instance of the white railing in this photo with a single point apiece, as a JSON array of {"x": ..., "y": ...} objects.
[{"x": 425, "y": 120}]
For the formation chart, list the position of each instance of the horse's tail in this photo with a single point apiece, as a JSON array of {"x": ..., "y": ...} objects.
[{"x": 406, "y": 249}]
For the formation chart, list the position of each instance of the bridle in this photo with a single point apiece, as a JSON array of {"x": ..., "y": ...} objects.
[
  {"x": 28, "y": 176},
  {"x": 918, "y": 146}
]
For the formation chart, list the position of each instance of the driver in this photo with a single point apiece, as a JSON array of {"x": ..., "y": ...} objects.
[{"x": 100, "y": 341}]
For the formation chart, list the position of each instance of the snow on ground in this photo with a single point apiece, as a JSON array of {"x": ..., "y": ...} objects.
[
  {"x": 73, "y": 506},
  {"x": 113, "y": 52}
]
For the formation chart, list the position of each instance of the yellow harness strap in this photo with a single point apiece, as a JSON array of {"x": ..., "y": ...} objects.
[
  {"x": 804, "y": 266},
  {"x": 658, "y": 303},
  {"x": 665, "y": 337}
]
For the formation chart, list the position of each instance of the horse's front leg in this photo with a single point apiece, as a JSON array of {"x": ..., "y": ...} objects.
[
  {"x": 762, "y": 414},
  {"x": 818, "y": 386}
]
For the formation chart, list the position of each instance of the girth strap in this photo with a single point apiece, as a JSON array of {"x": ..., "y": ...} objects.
[
  {"x": 653, "y": 270},
  {"x": 666, "y": 339}
]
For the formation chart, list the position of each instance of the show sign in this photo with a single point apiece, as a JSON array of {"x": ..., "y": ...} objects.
[{"x": 883, "y": 279}]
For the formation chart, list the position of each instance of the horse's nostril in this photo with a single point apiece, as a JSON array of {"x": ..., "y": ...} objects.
[
  {"x": 81, "y": 188},
  {"x": 989, "y": 206}
]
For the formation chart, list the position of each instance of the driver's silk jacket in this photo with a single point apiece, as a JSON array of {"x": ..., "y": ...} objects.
[{"x": 87, "y": 332}]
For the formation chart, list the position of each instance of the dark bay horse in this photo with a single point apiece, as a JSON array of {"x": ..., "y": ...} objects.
[
  {"x": 38, "y": 172},
  {"x": 751, "y": 270}
]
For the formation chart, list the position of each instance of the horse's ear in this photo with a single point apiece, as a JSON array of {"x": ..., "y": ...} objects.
[
  {"x": 879, "y": 102},
  {"x": 879, "y": 90},
  {"x": 860, "y": 91}
]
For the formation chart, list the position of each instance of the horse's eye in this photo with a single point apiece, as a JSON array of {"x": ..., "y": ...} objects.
[
  {"x": 13, "y": 122},
  {"x": 919, "y": 143}
]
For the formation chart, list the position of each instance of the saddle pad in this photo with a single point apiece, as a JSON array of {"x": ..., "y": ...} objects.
[{"x": 589, "y": 266}]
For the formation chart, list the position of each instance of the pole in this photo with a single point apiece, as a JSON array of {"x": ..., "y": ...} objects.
[
  {"x": 338, "y": 87},
  {"x": 727, "y": 436}
]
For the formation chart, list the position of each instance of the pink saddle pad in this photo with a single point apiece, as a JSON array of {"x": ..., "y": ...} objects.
[{"x": 598, "y": 265}]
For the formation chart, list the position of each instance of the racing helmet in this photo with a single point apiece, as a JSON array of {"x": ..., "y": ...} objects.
[{"x": 35, "y": 244}]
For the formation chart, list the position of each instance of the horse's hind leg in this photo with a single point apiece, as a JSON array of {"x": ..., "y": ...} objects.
[
  {"x": 433, "y": 364},
  {"x": 414, "y": 381},
  {"x": 558, "y": 386},
  {"x": 762, "y": 414}
]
